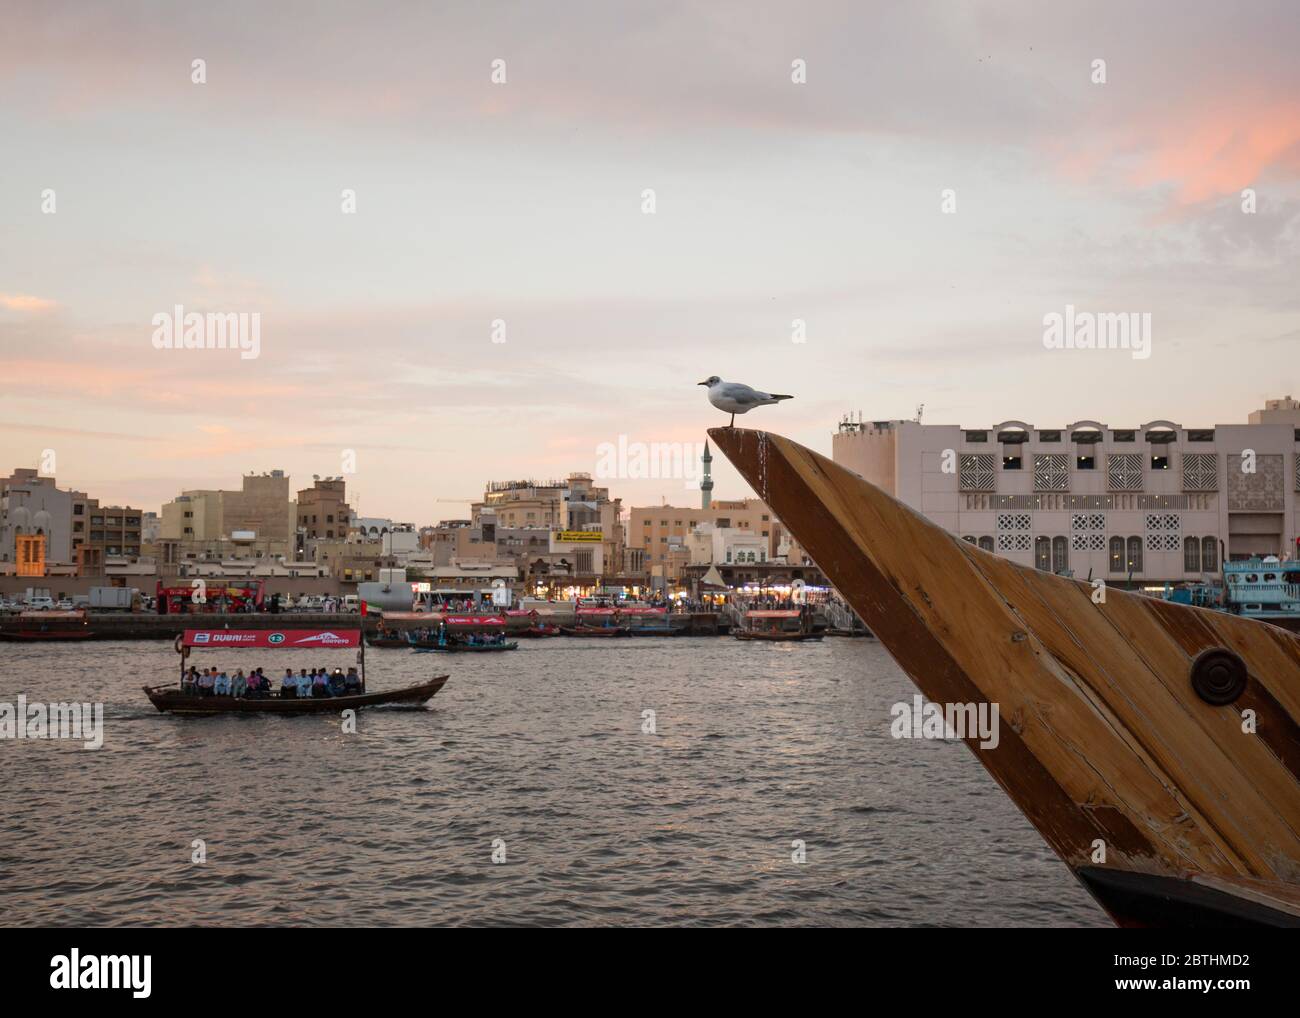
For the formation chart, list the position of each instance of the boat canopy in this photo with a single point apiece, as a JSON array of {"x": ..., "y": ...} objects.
[
  {"x": 273, "y": 639},
  {"x": 646, "y": 610},
  {"x": 408, "y": 616},
  {"x": 597, "y": 611},
  {"x": 52, "y": 615},
  {"x": 474, "y": 620},
  {"x": 516, "y": 612},
  {"x": 773, "y": 614}
]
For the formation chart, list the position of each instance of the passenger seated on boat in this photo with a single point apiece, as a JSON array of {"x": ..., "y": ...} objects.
[
  {"x": 256, "y": 685},
  {"x": 320, "y": 683},
  {"x": 288, "y": 685},
  {"x": 336, "y": 682},
  {"x": 206, "y": 681},
  {"x": 352, "y": 682},
  {"x": 303, "y": 684},
  {"x": 190, "y": 682},
  {"x": 221, "y": 687},
  {"x": 239, "y": 684}
]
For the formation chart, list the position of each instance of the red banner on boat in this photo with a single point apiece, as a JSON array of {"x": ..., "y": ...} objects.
[
  {"x": 784, "y": 613},
  {"x": 274, "y": 639},
  {"x": 474, "y": 620},
  {"x": 597, "y": 611}
]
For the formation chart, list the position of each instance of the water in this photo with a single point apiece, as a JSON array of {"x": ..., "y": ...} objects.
[{"x": 756, "y": 746}]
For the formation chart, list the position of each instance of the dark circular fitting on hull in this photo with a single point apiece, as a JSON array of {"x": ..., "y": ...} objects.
[{"x": 1218, "y": 676}]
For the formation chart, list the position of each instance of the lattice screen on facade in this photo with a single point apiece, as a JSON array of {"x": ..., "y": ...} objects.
[
  {"x": 1087, "y": 531},
  {"x": 1051, "y": 472},
  {"x": 1124, "y": 471},
  {"x": 975, "y": 471},
  {"x": 1013, "y": 531},
  {"x": 1200, "y": 471},
  {"x": 1163, "y": 532}
]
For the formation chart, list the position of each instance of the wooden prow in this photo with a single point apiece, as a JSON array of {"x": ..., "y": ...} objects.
[{"x": 1104, "y": 744}]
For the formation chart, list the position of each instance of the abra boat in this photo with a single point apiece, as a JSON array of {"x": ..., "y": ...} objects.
[
  {"x": 593, "y": 631},
  {"x": 49, "y": 625},
  {"x": 456, "y": 647},
  {"x": 597, "y": 622},
  {"x": 1122, "y": 726},
  {"x": 453, "y": 633},
  {"x": 170, "y": 698},
  {"x": 777, "y": 625}
]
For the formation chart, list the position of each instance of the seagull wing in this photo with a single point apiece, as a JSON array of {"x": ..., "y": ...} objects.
[{"x": 740, "y": 393}]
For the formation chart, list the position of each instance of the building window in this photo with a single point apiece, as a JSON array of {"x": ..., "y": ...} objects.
[
  {"x": 977, "y": 437},
  {"x": 969, "y": 539},
  {"x": 1191, "y": 555},
  {"x": 1117, "y": 554},
  {"x": 1209, "y": 554},
  {"x": 1135, "y": 555},
  {"x": 1159, "y": 462},
  {"x": 1060, "y": 555},
  {"x": 1085, "y": 463},
  {"x": 1010, "y": 462},
  {"x": 986, "y": 544},
  {"x": 1043, "y": 553}
]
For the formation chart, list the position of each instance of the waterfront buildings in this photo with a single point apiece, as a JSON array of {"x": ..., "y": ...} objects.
[
  {"x": 259, "y": 520},
  {"x": 47, "y": 530},
  {"x": 322, "y": 510},
  {"x": 662, "y": 531},
  {"x": 1153, "y": 503}
]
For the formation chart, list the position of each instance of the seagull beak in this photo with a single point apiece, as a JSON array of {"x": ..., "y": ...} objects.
[{"x": 701, "y": 383}]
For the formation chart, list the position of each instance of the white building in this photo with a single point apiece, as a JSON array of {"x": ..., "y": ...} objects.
[{"x": 1160, "y": 502}]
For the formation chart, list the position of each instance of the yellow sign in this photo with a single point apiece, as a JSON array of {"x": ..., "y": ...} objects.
[{"x": 579, "y": 536}]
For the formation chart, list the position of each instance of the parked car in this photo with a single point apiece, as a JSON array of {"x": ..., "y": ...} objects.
[
  {"x": 39, "y": 603},
  {"x": 351, "y": 603},
  {"x": 7, "y": 606},
  {"x": 65, "y": 604}
]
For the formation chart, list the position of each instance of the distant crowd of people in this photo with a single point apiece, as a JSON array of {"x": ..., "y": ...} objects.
[{"x": 314, "y": 684}]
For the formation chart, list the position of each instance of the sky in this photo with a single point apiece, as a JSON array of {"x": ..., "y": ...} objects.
[{"x": 502, "y": 304}]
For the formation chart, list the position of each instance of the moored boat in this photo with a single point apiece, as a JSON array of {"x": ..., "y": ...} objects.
[
  {"x": 36, "y": 626},
  {"x": 778, "y": 625},
  {"x": 597, "y": 631},
  {"x": 1155, "y": 746},
  {"x": 458, "y": 633}
]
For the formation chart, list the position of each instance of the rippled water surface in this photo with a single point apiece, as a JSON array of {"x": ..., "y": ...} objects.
[{"x": 756, "y": 746}]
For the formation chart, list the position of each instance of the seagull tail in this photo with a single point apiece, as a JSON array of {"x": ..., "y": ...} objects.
[{"x": 778, "y": 396}]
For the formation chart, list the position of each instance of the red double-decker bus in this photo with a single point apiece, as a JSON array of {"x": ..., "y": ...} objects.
[{"x": 206, "y": 595}]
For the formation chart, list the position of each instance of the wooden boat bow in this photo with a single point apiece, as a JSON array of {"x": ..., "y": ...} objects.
[{"x": 1122, "y": 724}]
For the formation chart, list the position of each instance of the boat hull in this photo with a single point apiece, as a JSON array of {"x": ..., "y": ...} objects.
[
  {"x": 173, "y": 701},
  {"x": 1105, "y": 740},
  {"x": 18, "y": 636},
  {"x": 595, "y": 631},
  {"x": 745, "y": 634},
  {"x": 454, "y": 649}
]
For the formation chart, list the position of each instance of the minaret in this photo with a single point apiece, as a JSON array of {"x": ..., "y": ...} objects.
[{"x": 706, "y": 482}]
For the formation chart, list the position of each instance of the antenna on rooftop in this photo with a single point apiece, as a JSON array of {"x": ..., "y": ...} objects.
[{"x": 920, "y": 409}]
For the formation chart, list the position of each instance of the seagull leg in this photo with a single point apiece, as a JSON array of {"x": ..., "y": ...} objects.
[{"x": 733, "y": 421}]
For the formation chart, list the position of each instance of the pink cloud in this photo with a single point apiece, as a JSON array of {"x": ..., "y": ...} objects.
[{"x": 26, "y": 302}]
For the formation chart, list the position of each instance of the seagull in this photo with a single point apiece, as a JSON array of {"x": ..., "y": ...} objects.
[{"x": 734, "y": 398}]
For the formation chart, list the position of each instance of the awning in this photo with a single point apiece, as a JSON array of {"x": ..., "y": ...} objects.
[
  {"x": 782, "y": 614},
  {"x": 274, "y": 639},
  {"x": 712, "y": 578},
  {"x": 474, "y": 620}
]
